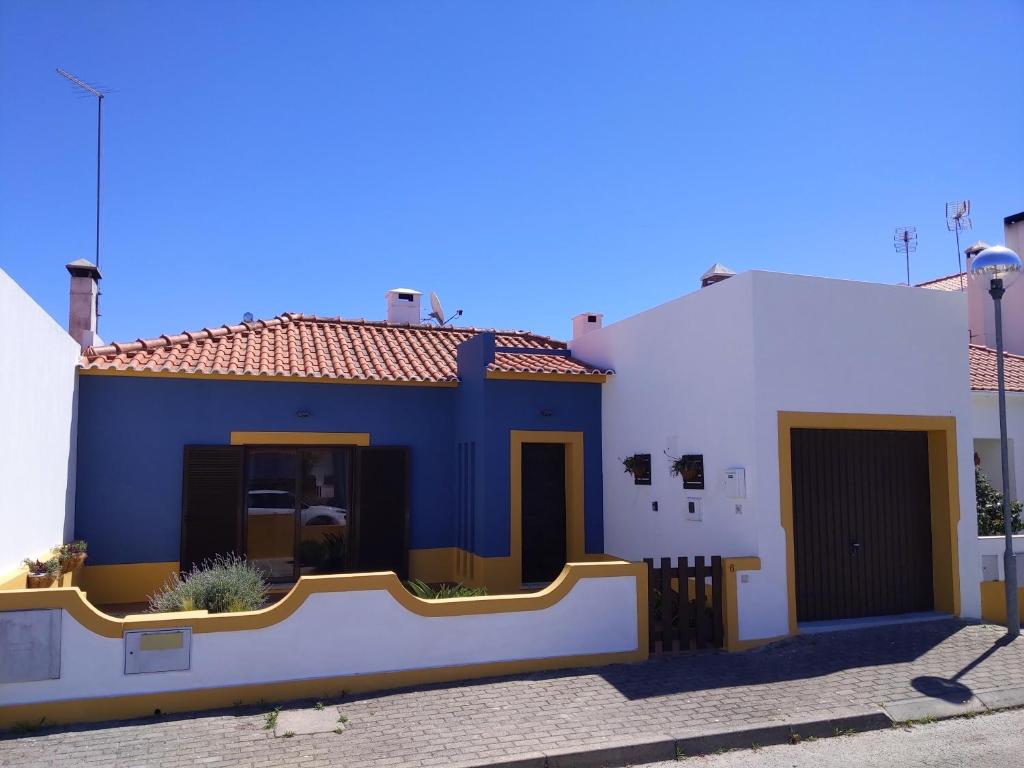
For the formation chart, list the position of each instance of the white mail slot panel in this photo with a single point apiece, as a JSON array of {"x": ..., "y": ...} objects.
[{"x": 157, "y": 650}]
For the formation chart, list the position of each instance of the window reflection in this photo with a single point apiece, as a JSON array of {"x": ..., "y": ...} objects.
[
  {"x": 270, "y": 512},
  {"x": 324, "y": 530}
]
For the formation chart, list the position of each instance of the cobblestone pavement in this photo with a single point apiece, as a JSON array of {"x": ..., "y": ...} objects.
[
  {"x": 988, "y": 740},
  {"x": 805, "y": 678}
]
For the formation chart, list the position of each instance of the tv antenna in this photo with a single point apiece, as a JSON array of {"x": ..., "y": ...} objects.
[
  {"x": 958, "y": 220},
  {"x": 92, "y": 91},
  {"x": 905, "y": 242},
  {"x": 437, "y": 311}
]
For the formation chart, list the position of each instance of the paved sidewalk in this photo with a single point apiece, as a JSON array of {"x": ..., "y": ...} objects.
[{"x": 807, "y": 678}]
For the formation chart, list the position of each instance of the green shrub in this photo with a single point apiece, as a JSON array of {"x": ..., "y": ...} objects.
[
  {"x": 226, "y": 584},
  {"x": 49, "y": 567},
  {"x": 442, "y": 591},
  {"x": 990, "y": 508}
]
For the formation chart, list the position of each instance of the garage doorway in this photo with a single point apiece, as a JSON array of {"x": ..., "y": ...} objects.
[{"x": 862, "y": 523}]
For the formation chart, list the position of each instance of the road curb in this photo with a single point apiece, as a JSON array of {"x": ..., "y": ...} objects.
[{"x": 656, "y": 749}]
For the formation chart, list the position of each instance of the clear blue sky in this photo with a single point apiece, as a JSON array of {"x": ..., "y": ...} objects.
[{"x": 526, "y": 160}]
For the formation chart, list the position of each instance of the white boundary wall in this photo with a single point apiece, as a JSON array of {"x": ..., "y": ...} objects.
[
  {"x": 38, "y": 406},
  {"x": 350, "y": 633},
  {"x": 708, "y": 373}
]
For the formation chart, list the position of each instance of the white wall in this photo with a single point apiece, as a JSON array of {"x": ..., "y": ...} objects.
[
  {"x": 991, "y": 549},
  {"x": 350, "y": 633},
  {"x": 985, "y": 426},
  {"x": 848, "y": 347},
  {"x": 683, "y": 384},
  {"x": 38, "y": 403},
  {"x": 709, "y": 372}
]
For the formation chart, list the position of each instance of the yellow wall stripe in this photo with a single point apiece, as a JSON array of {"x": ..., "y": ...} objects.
[{"x": 300, "y": 438}]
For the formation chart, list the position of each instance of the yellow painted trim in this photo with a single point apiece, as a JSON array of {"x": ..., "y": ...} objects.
[
  {"x": 434, "y": 566},
  {"x": 993, "y": 601},
  {"x": 300, "y": 438},
  {"x": 579, "y": 378},
  {"x": 730, "y": 597},
  {"x": 124, "y": 707},
  {"x": 252, "y": 377},
  {"x": 574, "y": 529},
  {"x": 944, "y": 486},
  {"x": 16, "y": 579},
  {"x": 126, "y": 582},
  {"x": 74, "y": 602}
]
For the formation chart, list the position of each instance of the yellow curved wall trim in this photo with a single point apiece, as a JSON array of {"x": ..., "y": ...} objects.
[
  {"x": 74, "y": 602},
  {"x": 300, "y": 438},
  {"x": 944, "y": 487}
]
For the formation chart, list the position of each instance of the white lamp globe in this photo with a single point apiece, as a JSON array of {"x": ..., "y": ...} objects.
[{"x": 997, "y": 261}]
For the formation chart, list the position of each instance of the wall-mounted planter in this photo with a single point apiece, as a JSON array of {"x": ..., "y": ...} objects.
[
  {"x": 690, "y": 467},
  {"x": 639, "y": 466}
]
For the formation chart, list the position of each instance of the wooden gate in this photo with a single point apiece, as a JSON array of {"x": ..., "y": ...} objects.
[{"x": 683, "y": 610}]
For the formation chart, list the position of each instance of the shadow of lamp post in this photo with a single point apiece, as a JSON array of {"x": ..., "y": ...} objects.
[{"x": 1002, "y": 266}]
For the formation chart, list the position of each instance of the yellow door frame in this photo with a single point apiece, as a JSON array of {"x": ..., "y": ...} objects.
[
  {"x": 944, "y": 486},
  {"x": 574, "y": 535}
]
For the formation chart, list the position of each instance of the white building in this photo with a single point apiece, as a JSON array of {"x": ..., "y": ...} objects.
[{"x": 833, "y": 421}]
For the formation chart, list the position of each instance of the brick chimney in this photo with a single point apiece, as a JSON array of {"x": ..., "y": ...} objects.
[{"x": 83, "y": 308}]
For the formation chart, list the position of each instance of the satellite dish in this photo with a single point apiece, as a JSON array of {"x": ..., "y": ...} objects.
[
  {"x": 436, "y": 310},
  {"x": 247, "y": 317}
]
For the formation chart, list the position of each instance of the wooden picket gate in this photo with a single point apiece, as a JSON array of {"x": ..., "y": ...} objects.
[{"x": 677, "y": 622}]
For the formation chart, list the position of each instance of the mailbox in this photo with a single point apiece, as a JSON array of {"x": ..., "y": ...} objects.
[{"x": 157, "y": 650}]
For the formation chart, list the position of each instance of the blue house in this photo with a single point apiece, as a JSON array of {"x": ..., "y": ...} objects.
[{"x": 321, "y": 445}]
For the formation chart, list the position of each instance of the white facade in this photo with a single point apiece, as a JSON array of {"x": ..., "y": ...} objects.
[
  {"x": 38, "y": 403},
  {"x": 709, "y": 372}
]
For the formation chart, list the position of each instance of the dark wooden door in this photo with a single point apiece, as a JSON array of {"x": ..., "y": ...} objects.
[
  {"x": 543, "y": 511},
  {"x": 211, "y": 519},
  {"x": 861, "y": 523},
  {"x": 381, "y": 525}
]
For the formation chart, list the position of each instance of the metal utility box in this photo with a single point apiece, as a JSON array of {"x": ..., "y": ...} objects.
[
  {"x": 29, "y": 645},
  {"x": 694, "y": 509},
  {"x": 157, "y": 650},
  {"x": 736, "y": 483}
]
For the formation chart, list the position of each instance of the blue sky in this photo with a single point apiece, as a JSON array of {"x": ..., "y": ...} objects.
[{"x": 526, "y": 160}]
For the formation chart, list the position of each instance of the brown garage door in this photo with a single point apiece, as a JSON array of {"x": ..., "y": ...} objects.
[{"x": 861, "y": 523}]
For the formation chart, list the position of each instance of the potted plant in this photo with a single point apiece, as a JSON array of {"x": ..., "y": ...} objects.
[
  {"x": 631, "y": 464},
  {"x": 71, "y": 555},
  {"x": 42, "y": 573}
]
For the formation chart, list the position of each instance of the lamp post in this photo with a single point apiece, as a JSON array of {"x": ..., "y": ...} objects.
[{"x": 1002, "y": 266}]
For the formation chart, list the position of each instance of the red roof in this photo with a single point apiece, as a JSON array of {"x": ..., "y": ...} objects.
[
  {"x": 947, "y": 283},
  {"x": 306, "y": 346},
  {"x": 983, "y": 369}
]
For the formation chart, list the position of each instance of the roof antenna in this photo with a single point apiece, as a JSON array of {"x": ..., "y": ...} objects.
[
  {"x": 99, "y": 154},
  {"x": 437, "y": 311},
  {"x": 905, "y": 242},
  {"x": 958, "y": 220}
]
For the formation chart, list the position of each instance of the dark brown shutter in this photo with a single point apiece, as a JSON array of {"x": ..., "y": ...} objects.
[
  {"x": 382, "y": 510},
  {"x": 211, "y": 497}
]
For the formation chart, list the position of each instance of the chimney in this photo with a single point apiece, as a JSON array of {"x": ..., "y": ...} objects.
[
  {"x": 716, "y": 273},
  {"x": 585, "y": 323},
  {"x": 404, "y": 306},
  {"x": 1013, "y": 232},
  {"x": 83, "y": 306}
]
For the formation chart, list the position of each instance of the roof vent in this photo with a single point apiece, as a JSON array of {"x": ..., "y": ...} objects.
[
  {"x": 585, "y": 323},
  {"x": 716, "y": 273},
  {"x": 404, "y": 306}
]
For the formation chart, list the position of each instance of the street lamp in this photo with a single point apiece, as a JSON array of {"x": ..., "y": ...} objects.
[{"x": 1003, "y": 266}]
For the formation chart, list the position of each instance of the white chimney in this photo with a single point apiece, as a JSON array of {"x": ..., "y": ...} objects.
[
  {"x": 82, "y": 308},
  {"x": 404, "y": 306},
  {"x": 585, "y": 323}
]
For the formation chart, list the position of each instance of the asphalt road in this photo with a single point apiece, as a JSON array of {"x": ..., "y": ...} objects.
[{"x": 986, "y": 740}]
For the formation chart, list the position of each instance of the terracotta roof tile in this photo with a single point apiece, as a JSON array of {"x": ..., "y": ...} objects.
[
  {"x": 947, "y": 283},
  {"x": 307, "y": 346},
  {"x": 983, "y": 369}
]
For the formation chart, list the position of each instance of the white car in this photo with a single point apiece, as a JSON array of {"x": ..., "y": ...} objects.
[{"x": 270, "y": 502}]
